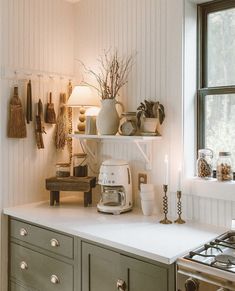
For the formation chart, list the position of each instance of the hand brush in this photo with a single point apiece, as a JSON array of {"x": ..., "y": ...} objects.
[
  {"x": 50, "y": 112},
  {"x": 16, "y": 122}
]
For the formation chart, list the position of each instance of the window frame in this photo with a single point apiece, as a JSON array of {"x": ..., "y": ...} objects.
[{"x": 203, "y": 90}]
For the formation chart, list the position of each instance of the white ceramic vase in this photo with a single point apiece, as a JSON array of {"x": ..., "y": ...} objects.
[{"x": 108, "y": 119}]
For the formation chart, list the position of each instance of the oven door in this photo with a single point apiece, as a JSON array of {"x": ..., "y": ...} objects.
[{"x": 193, "y": 276}]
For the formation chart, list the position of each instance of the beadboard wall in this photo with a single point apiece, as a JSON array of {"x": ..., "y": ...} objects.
[
  {"x": 37, "y": 37},
  {"x": 145, "y": 29},
  {"x": 153, "y": 31}
]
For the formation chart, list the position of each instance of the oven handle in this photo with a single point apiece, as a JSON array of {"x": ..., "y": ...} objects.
[{"x": 223, "y": 285}]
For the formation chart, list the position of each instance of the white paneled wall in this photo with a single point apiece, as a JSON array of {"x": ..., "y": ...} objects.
[
  {"x": 150, "y": 30},
  {"x": 36, "y": 36},
  {"x": 153, "y": 31}
]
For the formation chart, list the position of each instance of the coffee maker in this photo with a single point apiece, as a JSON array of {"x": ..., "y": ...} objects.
[{"x": 116, "y": 187}]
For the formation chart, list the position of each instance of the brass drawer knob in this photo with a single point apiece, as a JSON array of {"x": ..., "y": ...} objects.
[
  {"x": 23, "y": 232},
  {"x": 23, "y": 265},
  {"x": 54, "y": 242},
  {"x": 121, "y": 285},
  {"x": 54, "y": 279}
]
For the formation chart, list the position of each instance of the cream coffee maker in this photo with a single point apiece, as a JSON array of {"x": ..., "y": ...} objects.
[{"x": 116, "y": 187}]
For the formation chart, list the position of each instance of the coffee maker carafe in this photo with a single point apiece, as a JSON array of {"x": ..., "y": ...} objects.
[{"x": 116, "y": 187}]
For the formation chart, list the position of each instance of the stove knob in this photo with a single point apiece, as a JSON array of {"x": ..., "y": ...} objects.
[{"x": 192, "y": 284}]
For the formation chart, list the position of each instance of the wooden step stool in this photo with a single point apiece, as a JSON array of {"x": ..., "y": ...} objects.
[{"x": 81, "y": 184}]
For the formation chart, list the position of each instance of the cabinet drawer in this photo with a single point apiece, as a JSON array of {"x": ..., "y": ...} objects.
[
  {"x": 19, "y": 287},
  {"x": 39, "y": 271},
  {"x": 49, "y": 240}
]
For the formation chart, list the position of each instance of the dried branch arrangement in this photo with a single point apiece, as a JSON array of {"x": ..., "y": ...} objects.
[{"x": 112, "y": 76}]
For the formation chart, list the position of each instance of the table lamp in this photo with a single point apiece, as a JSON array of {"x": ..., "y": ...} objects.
[{"x": 82, "y": 97}]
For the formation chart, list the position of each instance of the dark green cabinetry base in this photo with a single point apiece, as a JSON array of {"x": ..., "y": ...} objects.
[
  {"x": 42, "y": 259},
  {"x": 103, "y": 270}
]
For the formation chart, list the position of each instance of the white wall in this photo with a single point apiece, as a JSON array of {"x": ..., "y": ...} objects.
[
  {"x": 162, "y": 34},
  {"x": 153, "y": 31},
  {"x": 36, "y": 37}
]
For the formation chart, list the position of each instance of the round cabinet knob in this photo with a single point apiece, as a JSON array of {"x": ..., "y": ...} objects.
[
  {"x": 54, "y": 243},
  {"x": 191, "y": 284},
  {"x": 23, "y": 232},
  {"x": 54, "y": 279},
  {"x": 23, "y": 266},
  {"x": 121, "y": 285}
]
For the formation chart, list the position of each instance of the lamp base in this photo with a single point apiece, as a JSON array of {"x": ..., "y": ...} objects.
[{"x": 82, "y": 120}]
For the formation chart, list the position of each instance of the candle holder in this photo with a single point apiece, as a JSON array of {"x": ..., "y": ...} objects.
[
  {"x": 179, "y": 220},
  {"x": 165, "y": 206}
]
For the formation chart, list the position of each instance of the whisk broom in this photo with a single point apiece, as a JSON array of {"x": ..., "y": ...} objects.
[{"x": 16, "y": 122}]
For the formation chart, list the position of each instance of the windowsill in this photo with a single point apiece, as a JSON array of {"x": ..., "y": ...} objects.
[{"x": 213, "y": 189}]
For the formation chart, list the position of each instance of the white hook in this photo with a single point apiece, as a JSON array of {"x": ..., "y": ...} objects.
[
  {"x": 16, "y": 78},
  {"x": 51, "y": 77}
]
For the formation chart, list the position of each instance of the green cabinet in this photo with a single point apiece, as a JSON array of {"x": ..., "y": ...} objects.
[
  {"x": 140, "y": 275},
  {"x": 106, "y": 270},
  {"x": 40, "y": 271},
  {"x": 42, "y": 259},
  {"x": 100, "y": 268},
  {"x": 17, "y": 287}
]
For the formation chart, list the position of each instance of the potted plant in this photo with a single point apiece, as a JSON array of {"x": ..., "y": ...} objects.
[
  {"x": 112, "y": 76},
  {"x": 149, "y": 115}
]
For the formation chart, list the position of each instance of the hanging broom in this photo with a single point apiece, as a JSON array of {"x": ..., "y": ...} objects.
[
  {"x": 16, "y": 122},
  {"x": 50, "y": 112}
]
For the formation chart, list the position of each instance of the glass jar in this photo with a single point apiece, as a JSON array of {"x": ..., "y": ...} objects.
[
  {"x": 62, "y": 170},
  {"x": 205, "y": 163},
  {"x": 224, "y": 167},
  {"x": 128, "y": 123},
  {"x": 79, "y": 166}
]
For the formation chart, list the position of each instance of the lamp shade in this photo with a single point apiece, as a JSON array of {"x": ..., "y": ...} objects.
[{"x": 82, "y": 96}]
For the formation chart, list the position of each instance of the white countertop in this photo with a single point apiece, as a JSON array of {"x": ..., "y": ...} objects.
[{"x": 131, "y": 232}]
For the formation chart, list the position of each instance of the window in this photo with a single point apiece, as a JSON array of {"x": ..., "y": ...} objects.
[{"x": 216, "y": 78}]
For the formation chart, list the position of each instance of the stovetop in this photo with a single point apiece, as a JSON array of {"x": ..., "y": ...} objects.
[{"x": 219, "y": 253}]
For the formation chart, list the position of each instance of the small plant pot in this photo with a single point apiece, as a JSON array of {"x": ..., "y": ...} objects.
[{"x": 149, "y": 125}]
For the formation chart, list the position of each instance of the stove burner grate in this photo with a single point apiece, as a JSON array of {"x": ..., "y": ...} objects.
[
  {"x": 219, "y": 253},
  {"x": 224, "y": 260}
]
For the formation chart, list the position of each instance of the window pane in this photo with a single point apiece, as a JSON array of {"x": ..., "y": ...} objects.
[
  {"x": 220, "y": 124},
  {"x": 221, "y": 48}
]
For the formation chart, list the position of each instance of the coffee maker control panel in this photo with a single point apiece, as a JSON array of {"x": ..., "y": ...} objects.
[{"x": 106, "y": 179}]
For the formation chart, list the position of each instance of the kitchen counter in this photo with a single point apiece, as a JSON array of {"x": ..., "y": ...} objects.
[{"x": 131, "y": 232}]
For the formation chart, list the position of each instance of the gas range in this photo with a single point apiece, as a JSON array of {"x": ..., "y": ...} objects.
[
  {"x": 219, "y": 253},
  {"x": 211, "y": 266}
]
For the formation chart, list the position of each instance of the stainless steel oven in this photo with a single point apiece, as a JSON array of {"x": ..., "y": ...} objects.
[{"x": 210, "y": 267}]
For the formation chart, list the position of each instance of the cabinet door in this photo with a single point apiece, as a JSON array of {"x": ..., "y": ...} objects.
[
  {"x": 100, "y": 268},
  {"x": 140, "y": 275}
]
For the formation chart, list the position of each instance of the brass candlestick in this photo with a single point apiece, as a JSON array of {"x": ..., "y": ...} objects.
[
  {"x": 179, "y": 220},
  {"x": 165, "y": 206}
]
